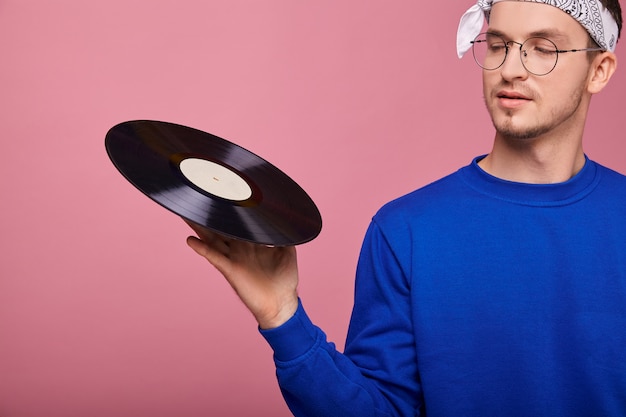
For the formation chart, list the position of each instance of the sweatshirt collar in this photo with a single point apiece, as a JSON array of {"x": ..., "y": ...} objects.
[{"x": 568, "y": 192}]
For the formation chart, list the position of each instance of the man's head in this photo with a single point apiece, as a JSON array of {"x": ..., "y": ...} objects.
[{"x": 527, "y": 99}]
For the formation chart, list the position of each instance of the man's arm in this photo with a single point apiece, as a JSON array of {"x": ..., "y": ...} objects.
[{"x": 376, "y": 380}]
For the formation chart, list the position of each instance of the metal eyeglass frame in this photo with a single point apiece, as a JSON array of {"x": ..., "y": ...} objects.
[{"x": 524, "y": 53}]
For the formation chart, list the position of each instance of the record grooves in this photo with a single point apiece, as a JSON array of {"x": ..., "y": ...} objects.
[{"x": 213, "y": 182}]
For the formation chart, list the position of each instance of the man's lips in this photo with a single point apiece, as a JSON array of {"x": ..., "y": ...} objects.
[
  {"x": 512, "y": 95},
  {"x": 511, "y": 99}
]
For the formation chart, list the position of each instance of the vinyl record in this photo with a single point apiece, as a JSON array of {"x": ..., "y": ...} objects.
[{"x": 212, "y": 182}]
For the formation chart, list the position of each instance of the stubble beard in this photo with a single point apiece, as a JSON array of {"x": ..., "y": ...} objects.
[{"x": 509, "y": 127}]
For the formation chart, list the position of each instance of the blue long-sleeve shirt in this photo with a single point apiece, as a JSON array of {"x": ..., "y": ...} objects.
[{"x": 480, "y": 297}]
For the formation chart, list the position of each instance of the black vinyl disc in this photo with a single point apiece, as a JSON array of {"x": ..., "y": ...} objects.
[{"x": 212, "y": 182}]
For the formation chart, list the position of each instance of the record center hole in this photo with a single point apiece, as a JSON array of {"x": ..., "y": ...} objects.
[{"x": 215, "y": 179}]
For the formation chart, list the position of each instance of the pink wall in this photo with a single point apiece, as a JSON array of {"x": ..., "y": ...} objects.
[{"x": 104, "y": 311}]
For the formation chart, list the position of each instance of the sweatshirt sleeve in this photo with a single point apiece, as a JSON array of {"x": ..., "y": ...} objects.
[{"x": 377, "y": 374}]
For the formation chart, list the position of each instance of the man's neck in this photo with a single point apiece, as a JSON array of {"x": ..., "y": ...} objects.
[{"x": 534, "y": 161}]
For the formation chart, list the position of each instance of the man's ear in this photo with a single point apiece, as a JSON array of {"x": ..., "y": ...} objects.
[{"x": 602, "y": 69}]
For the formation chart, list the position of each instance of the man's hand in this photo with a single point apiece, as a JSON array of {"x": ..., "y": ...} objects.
[{"x": 265, "y": 278}]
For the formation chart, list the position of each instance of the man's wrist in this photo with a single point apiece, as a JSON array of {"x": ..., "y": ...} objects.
[{"x": 281, "y": 317}]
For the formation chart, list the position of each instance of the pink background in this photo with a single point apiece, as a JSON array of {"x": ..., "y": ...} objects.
[{"x": 104, "y": 311}]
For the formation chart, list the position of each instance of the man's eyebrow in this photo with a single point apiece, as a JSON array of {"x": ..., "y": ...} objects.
[{"x": 552, "y": 34}]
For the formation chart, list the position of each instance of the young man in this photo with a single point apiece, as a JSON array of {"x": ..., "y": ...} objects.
[{"x": 499, "y": 290}]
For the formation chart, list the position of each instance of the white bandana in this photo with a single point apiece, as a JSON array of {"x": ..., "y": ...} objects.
[{"x": 591, "y": 14}]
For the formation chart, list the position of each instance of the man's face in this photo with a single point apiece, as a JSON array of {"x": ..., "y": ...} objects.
[{"x": 526, "y": 106}]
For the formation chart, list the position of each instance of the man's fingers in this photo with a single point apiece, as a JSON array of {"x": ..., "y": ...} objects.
[
  {"x": 212, "y": 239},
  {"x": 210, "y": 252}
]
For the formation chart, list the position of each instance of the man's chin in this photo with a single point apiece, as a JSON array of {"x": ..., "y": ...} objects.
[
  {"x": 519, "y": 135},
  {"x": 511, "y": 131}
]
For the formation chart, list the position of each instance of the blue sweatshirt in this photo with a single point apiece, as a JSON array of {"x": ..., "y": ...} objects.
[{"x": 479, "y": 297}]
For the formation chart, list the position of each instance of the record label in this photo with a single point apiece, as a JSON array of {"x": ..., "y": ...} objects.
[{"x": 215, "y": 179}]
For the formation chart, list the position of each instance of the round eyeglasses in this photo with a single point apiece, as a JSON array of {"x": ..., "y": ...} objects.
[{"x": 538, "y": 55}]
